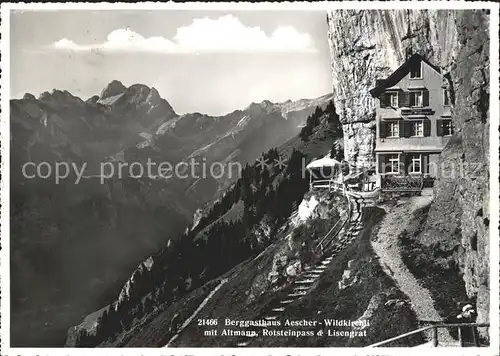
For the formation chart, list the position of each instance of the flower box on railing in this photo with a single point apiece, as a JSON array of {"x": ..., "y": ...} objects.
[{"x": 402, "y": 183}]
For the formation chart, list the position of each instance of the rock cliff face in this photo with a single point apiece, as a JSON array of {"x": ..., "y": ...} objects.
[
  {"x": 366, "y": 45},
  {"x": 460, "y": 213}
]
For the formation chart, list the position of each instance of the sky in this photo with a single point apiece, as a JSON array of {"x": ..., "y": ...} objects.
[{"x": 212, "y": 62}]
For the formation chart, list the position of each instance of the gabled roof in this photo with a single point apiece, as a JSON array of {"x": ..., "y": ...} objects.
[{"x": 398, "y": 74}]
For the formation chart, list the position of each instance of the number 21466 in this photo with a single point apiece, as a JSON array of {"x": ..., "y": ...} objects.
[{"x": 207, "y": 322}]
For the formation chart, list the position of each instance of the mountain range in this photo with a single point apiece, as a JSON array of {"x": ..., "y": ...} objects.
[{"x": 74, "y": 245}]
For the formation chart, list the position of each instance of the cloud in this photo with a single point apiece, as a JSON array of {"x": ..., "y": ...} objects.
[
  {"x": 205, "y": 35},
  {"x": 122, "y": 40},
  {"x": 67, "y": 44}
]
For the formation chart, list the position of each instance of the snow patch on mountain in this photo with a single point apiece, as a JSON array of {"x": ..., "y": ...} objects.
[
  {"x": 243, "y": 121},
  {"x": 167, "y": 125},
  {"x": 110, "y": 100}
]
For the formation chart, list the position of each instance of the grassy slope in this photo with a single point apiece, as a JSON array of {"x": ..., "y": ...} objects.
[
  {"x": 232, "y": 301},
  {"x": 228, "y": 302}
]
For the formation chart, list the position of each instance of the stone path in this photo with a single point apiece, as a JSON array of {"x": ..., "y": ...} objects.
[
  {"x": 311, "y": 274},
  {"x": 386, "y": 246}
]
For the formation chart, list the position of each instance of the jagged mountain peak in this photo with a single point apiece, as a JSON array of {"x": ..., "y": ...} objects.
[
  {"x": 258, "y": 108},
  {"x": 292, "y": 105},
  {"x": 60, "y": 98},
  {"x": 115, "y": 87},
  {"x": 263, "y": 103},
  {"x": 29, "y": 96},
  {"x": 143, "y": 96},
  {"x": 144, "y": 92},
  {"x": 44, "y": 95},
  {"x": 146, "y": 99},
  {"x": 93, "y": 99}
]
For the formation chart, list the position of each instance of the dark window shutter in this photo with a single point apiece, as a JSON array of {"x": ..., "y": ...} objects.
[
  {"x": 407, "y": 161},
  {"x": 381, "y": 163},
  {"x": 425, "y": 164},
  {"x": 427, "y": 127},
  {"x": 404, "y": 99},
  {"x": 383, "y": 129},
  {"x": 439, "y": 124},
  {"x": 401, "y": 128},
  {"x": 383, "y": 100},
  {"x": 411, "y": 99},
  {"x": 426, "y": 98},
  {"x": 407, "y": 129},
  {"x": 402, "y": 163}
]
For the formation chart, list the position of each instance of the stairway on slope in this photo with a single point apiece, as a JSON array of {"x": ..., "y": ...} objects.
[{"x": 311, "y": 274}]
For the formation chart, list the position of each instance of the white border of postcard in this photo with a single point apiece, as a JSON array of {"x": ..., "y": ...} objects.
[{"x": 299, "y": 6}]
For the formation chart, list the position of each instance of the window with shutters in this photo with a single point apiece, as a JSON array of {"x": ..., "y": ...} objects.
[
  {"x": 393, "y": 164},
  {"x": 417, "y": 98},
  {"x": 404, "y": 99},
  {"x": 393, "y": 129},
  {"x": 417, "y": 128},
  {"x": 447, "y": 127},
  {"x": 392, "y": 99},
  {"x": 416, "y": 71},
  {"x": 446, "y": 97},
  {"x": 416, "y": 164}
]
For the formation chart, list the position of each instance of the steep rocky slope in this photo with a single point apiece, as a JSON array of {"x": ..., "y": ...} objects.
[
  {"x": 74, "y": 245},
  {"x": 367, "y": 45},
  {"x": 352, "y": 287},
  {"x": 243, "y": 221}
]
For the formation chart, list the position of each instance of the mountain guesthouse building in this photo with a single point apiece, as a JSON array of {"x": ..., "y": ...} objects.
[{"x": 413, "y": 125}]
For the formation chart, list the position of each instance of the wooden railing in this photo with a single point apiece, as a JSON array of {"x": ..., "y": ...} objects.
[
  {"x": 328, "y": 183},
  {"x": 434, "y": 328},
  {"x": 323, "y": 244}
]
